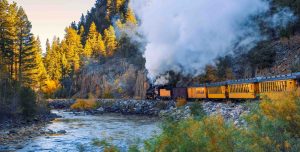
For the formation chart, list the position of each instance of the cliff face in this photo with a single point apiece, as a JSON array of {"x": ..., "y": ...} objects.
[
  {"x": 116, "y": 78},
  {"x": 287, "y": 57}
]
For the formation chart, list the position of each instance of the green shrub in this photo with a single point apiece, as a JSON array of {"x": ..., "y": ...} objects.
[
  {"x": 272, "y": 125},
  {"x": 103, "y": 143},
  {"x": 210, "y": 134},
  {"x": 197, "y": 110},
  {"x": 133, "y": 148},
  {"x": 28, "y": 101}
]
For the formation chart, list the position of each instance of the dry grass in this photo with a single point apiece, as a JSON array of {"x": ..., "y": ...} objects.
[{"x": 84, "y": 104}]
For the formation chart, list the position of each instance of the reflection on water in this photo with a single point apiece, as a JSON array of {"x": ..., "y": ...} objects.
[{"x": 81, "y": 129}]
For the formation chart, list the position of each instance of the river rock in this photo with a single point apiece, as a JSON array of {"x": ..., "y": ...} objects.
[
  {"x": 12, "y": 132},
  {"x": 19, "y": 147},
  {"x": 50, "y": 132},
  {"x": 61, "y": 132}
]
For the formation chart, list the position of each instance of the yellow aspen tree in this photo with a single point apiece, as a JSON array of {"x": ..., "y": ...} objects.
[
  {"x": 119, "y": 4},
  {"x": 110, "y": 40},
  {"x": 130, "y": 17},
  {"x": 72, "y": 48}
]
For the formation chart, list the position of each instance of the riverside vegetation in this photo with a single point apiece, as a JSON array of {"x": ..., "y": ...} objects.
[{"x": 271, "y": 125}]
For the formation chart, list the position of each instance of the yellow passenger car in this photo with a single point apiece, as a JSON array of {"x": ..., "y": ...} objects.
[
  {"x": 242, "y": 89},
  {"x": 273, "y": 86},
  {"x": 164, "y": 93},
  {"x": 197, "y": 92},
  {"x": 216, "y": 90}
]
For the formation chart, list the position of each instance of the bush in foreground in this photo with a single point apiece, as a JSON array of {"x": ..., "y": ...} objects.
[{"x": 272, "y": 125}]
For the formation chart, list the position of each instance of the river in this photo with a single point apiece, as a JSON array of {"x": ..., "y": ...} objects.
[{"x": 82, "y": 129}]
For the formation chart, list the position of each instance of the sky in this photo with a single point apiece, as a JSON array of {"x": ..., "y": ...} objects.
[{"x": 49, "y": 18}]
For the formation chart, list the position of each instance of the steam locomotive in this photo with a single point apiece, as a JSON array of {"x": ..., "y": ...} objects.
[{"x": 252, "y": 88}]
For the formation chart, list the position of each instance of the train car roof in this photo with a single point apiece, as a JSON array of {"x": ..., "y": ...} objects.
[
  {"x": 196, "y": 85},
  {"x": 216, "y": 84},
  {"x": 297, "y": 74},
  {"x": 278, "y": 77},
  {"x": 241, "y": 81}
]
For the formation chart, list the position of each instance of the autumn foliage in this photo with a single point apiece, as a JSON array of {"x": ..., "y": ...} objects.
[
  {"x": 272, "y": 125},
  {"x": 84, "y": 104}
]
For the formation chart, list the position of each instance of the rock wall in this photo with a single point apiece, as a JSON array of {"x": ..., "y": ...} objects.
[
  {"x": 116, "y": 78},
  {"x": 287, "y": 57}
]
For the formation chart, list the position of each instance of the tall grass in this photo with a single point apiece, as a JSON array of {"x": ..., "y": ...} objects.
[{"x": 85, "y": 104}]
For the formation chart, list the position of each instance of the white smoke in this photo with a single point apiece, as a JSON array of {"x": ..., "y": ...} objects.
[
  {"x": 282, "y": 18},
  {"x": 162, "y": 79},
  {"x": 185, "y": 35}
]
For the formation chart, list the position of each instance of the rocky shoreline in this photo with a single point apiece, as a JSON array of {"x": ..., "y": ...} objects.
[
  {"x": 162, "y": 109},
  {"x": 13, "y": 134},
  {"x": 230, "y": 111},
  {"x": 123, "y": 106}
]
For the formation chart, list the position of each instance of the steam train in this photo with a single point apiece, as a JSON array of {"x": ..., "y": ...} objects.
[{"x": 253, "y": 88}]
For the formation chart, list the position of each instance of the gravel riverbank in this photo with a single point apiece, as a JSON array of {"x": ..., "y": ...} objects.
[
  {"x": 13, "y": 134},
  {"x": 230, "y": 111}
]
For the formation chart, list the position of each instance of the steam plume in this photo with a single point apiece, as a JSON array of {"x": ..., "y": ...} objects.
[{"x": 185, "y": 35}]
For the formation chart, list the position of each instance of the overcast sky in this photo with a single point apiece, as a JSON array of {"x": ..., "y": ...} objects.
[{"x": 50, "y": 17}]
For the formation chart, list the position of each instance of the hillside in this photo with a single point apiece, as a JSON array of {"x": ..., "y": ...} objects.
[{"x": 287, "y": 57}]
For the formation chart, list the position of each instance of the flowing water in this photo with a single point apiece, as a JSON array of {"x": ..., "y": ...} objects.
[{"x": 82, "y": 130}]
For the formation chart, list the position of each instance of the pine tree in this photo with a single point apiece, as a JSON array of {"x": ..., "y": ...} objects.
[
  {"x": 109, "y": 9},
  {"x": 27, "y": 64},
  {"x": 110, "y": 40},
  {"x": 130, "y": 17},
  {"x": 35, "y": 73},
  {"x": 3, "y": 27},
  {"x": 25, "y": 41},
  {"x": 47, "y": 45},
  {"x": 10, "y": 39}
]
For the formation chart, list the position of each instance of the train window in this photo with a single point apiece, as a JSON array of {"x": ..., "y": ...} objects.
[
  {"x": 241, "y": 88},
  {"x": 266, "y": 85},
  {"x": 248, "y": 88},
  {"x": 285, "y": 86}
]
